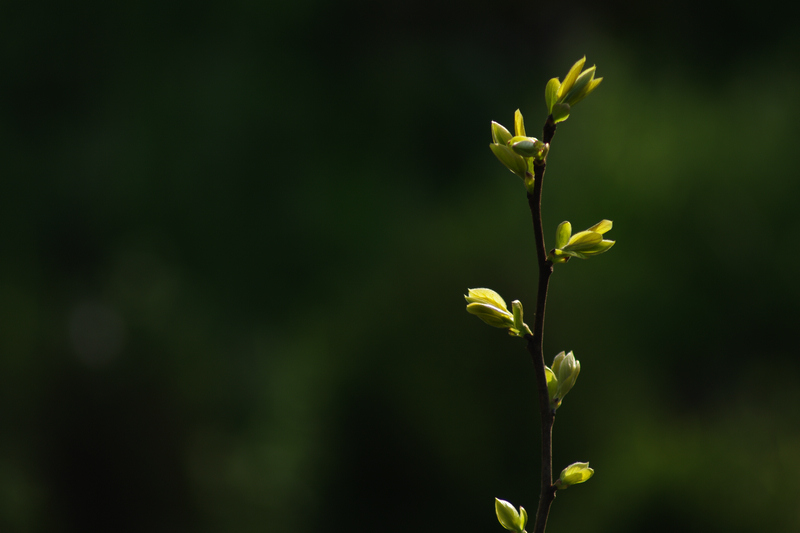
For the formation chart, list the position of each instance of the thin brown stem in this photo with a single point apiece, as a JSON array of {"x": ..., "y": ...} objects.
[{"x": 536, "y": 341}]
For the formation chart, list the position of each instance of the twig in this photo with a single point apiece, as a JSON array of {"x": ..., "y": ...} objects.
[{"x": 536, "y": 341}]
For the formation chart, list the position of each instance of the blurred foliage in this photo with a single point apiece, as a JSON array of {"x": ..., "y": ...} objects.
[{"x": 236, "y": 239}]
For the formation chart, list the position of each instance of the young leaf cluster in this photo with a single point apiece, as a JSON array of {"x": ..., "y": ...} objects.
[
  {"x": 490, "y": 307},
  {"x": 561, "y": 377},
  {"x": 577, "y": 85},
  {"x": 583, "y": 244},
  {"x": 518, "y": 152}
]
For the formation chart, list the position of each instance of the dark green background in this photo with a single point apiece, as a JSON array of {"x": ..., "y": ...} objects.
[{"x": 235, "y": 238}]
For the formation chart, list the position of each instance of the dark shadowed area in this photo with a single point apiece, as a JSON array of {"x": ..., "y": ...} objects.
[{"x": 236, "y": 235}]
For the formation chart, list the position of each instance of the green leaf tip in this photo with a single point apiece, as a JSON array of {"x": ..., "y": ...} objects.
[
  {"x": 519, "y": 124},
  {"x": 500, "y": 135}
]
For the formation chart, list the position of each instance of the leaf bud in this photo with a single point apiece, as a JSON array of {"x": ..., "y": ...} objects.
[
  {"x": 566, "y": 368},
  {"x": 490, "y": 307},
  {"x": 509, "y": 518},
  {"x": 577, "y": 85},
  {"x": 583, "y": 244},
  {"x": 561, "y": 377},
  {"x": 529, "y": 147},
  {"x": 574, "y": 474}
]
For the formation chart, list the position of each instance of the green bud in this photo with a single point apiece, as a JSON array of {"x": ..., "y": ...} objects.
[
  {"x": 523, "y": 142},
  {"x": 526, "y": 148},
  {"x": 566, "y": 369},
  {"x": 574, "y": 474},
  {"x": 577, "y": 85},
  {"x": 513, "y": 161},
  {"x": 519, "y": 153},
  {"x": 509, "y": 518},
  {"x": 529, "y": 147},
  {"x": 561, "y": 378},
  {"x": 500, "y": 135}
]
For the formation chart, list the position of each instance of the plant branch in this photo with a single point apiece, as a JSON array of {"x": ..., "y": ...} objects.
[{"x": 536, "y": 341}]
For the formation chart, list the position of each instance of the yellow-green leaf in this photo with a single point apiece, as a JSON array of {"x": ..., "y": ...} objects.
[
  {"x": 523, "y": 518},
  {"x": 552, "y": 382},
  {"x": 577, "y": 97},
  {"x": 486, "y": 296},
  {"x": 490, "y": 314},
  {"x": 563, "y": 233},
  {"x": 513, "y": 161},
  {"x": 560, "y": 112},
  {"x": 572, "y": 75},
  {"x": 550, "y": 93},
  {"x": 572, "y": 97},
  {"x": 557, "y": 360},
  {"x": 500, "y": 135},
  {"x": 583, "y": 240},
  {"x": 519, "y": 124},
  {"x": 602, "y": 226},
  {"x": 599, "y": 248}
]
